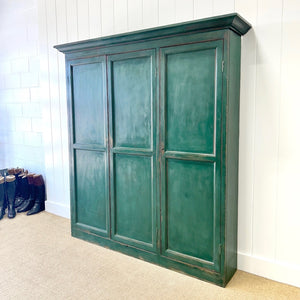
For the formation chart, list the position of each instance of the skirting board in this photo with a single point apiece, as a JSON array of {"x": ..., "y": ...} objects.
[
  {"x": 270, "y": 269},
  {"x": 260, "y": 266},
  {"x": 58, "y": 209}
]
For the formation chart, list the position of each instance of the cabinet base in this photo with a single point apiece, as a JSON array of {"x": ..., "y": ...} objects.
[{"x": 155, "y": 258}]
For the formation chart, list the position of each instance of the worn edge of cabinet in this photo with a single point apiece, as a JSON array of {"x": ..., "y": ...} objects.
[{"x": 230, "y": 21}]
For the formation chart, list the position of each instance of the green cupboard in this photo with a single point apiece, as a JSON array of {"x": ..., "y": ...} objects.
[{"x": 154, "y": 126}]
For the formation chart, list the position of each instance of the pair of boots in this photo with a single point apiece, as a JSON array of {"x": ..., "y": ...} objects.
[
  {"x": 24, "y": 191},
  {"x": 31, "y": 196},
  {"x": 7, "y": 196}
]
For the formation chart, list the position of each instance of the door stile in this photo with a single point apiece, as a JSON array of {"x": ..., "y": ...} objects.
[
  {"x": 110, "y": 143},
  {"x": 109, "y": 139},
  {"x": 161, "y": 147}
]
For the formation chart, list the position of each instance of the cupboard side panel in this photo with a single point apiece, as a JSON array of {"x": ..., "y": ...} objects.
[{"x": 232, "y": 153}]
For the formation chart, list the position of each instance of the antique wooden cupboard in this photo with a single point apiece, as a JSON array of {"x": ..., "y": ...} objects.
[{"x": 154, "y": 127}]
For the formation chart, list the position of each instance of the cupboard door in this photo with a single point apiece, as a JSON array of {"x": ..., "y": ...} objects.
[
  {"x": 191, "y": 91},
  {"x": 89, "y": 134},
  {"x": 133, "y": 180}
]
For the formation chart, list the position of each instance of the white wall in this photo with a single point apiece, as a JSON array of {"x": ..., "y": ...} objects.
[{"x": 269, "y": 202}]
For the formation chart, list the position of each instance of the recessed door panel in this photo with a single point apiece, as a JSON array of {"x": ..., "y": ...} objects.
[
  {"x": 190, "y": 100},
  {"x": 89, "y": 102},
  {"x": 91, "y": 190},
  {"x": 133, "y": 199},
  {"x": 190, "y": 209},
  {"x": 132, "y": 101}
]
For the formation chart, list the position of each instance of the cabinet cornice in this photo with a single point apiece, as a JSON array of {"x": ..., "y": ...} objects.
[{"x": 232, "y": 21}]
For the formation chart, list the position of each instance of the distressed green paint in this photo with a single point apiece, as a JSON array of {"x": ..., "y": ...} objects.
[
  {"x": 133, "y": 203},
  {"x": 231, "y": 21},
  {"x": 91, "y": 189},
  {"x": 133, "y": 185},
  {"x": 190, "y": 210},
  {"x": 132, "y": 101},
  {"x": 88, "y": 141},
  {"x": 190, "y": 99},
  {"x": 89, "y": 103},
  {"x": 191, "y": 112},
  {"x": 154, "y": 143},
  {"x": 232, "y": 155}
]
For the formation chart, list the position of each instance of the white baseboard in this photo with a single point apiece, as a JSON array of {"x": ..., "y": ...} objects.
[
  {"x": 271, "y": 269},
  {"x": 58, "y": 209},
  {"x": 275, "y": 270}
]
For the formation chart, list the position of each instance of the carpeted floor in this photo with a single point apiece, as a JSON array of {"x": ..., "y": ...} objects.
[{"x": 40, "y": 260}]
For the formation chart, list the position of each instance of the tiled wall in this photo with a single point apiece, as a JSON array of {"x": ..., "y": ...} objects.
[
  {"x": 269, "y": 201},
  {"x": 21, "y": 122}
]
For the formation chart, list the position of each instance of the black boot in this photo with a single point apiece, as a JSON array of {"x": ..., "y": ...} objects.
[
  {"x": 28, "y": 193},
  {"x": 19, "y": 173},
  {"x": 11, "y": 193},
  {"x": 19, "y": 198},
  {"x": 39, "y": 202},
  {"x": 2, "y": 198}
]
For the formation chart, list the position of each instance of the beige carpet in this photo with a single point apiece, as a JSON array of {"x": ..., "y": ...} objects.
[{"x": 40, "y": 260}]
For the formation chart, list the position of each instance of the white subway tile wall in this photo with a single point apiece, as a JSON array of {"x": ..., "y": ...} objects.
[
  {"x": 21, "y": 143},
  {"x": 34, "y": 114}
]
